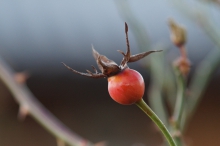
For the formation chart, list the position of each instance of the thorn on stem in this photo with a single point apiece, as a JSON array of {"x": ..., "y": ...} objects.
[
  {"x": 21, "y": 77},
  {"x": 60, "y": 142},
  {"x": 23, "y": 112},
  {"x": 177, "y": 133},
  {"x": 101, "y": 143}
]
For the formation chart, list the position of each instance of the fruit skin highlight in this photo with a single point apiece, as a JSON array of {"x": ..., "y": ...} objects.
[{"x": 126, "y": 87}]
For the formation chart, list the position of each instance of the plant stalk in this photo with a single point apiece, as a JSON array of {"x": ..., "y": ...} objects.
[
  {"x": 147, "y": 110},
  {"x": 26, "y": 99},
  {"x": 179, "y": 106}
]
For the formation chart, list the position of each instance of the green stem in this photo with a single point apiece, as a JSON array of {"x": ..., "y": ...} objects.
[
  {"x": 179, "y": 100},
  {"x": 200, "y": 79},
  {"x": 147, "y": 110},
  {"x": 179, "y": 107}
]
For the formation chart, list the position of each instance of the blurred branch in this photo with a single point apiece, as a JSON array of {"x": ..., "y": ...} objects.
[
  {"x": 179, "y": 106},
  {"x": 199, "y": 82},
  {"x": 181, "y": 68},
  {"x": 201, "y": 19},
  {"x": 217, "y": 2},
  {"x": 180, "y": 101},
  {"x": 156, "y": 98},
  {"x": 32, "y": 106}
]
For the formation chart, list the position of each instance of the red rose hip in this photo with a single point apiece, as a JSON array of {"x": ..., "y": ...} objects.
[{"x": 126, "y": 87}]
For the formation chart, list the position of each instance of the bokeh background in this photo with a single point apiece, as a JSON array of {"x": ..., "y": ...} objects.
[{"x": 35, "y": 36}]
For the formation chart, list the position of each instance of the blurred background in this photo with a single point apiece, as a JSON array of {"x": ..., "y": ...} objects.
[{"x": 36, "y": 36}]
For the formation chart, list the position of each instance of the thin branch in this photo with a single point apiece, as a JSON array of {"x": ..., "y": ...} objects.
[{"x": 26, "y": 99}]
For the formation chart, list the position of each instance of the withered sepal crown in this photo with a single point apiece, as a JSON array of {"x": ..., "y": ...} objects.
[{"x": 109, "y": 67}]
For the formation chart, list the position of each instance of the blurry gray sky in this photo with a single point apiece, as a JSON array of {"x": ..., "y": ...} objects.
[{"x": 39, "y": 34}]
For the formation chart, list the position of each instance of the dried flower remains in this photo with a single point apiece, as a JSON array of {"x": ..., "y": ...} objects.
[{"x": 109, "y": 67}]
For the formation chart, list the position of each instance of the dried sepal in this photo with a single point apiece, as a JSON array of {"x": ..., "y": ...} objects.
[
  {"x": 89, "y": 74},
  {"x": 107, "y": 66},
  {"x": 139, "y": 56},
  {"x": 128, "y": 53},
  {"x": 136, "y": 57},
  {"x": 95, "y": 70},
  {"x": 96, "y": 56},
  {"x": 132, "y": 58}
]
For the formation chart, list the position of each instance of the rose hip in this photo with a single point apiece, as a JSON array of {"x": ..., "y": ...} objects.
[{"x": 127, "y": 87}]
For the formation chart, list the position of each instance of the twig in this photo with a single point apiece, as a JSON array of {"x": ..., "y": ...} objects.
[{"x": 27, "y": 100}]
